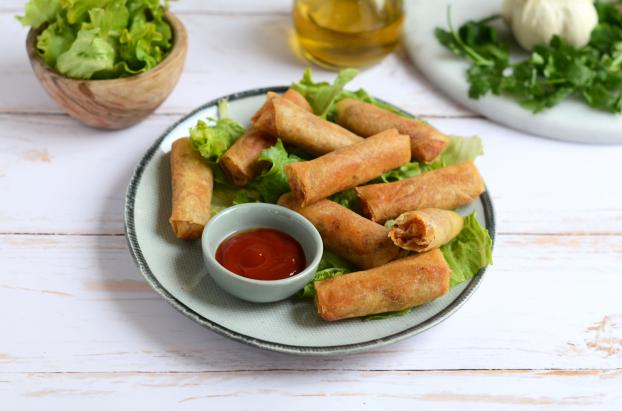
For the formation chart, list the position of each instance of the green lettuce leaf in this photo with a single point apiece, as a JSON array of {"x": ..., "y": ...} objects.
[
  {"x": 309, "y": 290},
  {"x": 223, "y": 196},
  {"x": 321, "y": 96},
  {"x": 364, "y": 96},
  {"x": 142, "y": 47},
  {"x": 56, "y": 39},
  {"x": 100, "y": 39},
  {"x": 77, "y": 11},
  {"x": 89, "y": 54},
  {"x": 271, "y": 183},
  {"x": 37, "y": 12},
  {"x": 213, "y": 137},
  {"x": 110, "y": 20},
  {"x": 331, "y": 265},
  {"x": 348, "y": 199},
  {"x": 470, "y": 251},
  {"x": 460, "y": 149}
]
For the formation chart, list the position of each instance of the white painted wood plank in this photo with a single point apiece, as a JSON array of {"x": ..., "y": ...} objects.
[
  {"x": 326, "y": 390},
  {"x": 227, "y": 54},
  {"x": 58, "y": 176},
  {"x": 78, "y": 303}
]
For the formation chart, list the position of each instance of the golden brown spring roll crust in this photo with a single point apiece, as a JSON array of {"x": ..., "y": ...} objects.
[
  {"x": 282, "y": 118},
  {"x": 348, "y": 166},
  {"x": 447, "y": 188},
  {"x": 426, "y": 229},
  {"x": 241, "y": 162},
  {"x": 192, "y": 182},
  {"x": 355, "y": 238},
  {"x": 366, "y": 120},
  {"x": 298, "y": 99},
  {"x": 401, "y": 284}
]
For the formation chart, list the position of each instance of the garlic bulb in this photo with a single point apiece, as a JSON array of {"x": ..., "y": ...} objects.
[{"x": 536, "y": 21}]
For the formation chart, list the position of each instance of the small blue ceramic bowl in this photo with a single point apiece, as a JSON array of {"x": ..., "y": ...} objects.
[{"x": 259, "y": 215}]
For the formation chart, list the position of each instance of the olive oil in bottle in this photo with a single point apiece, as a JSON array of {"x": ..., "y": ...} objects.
[{"x": 347, "y": 33}]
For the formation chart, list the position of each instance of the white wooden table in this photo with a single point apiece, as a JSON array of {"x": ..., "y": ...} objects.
[{"x": 80, "y": 328}]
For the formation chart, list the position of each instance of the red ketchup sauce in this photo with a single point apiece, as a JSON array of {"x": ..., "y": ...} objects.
[{"x": 262, "y": 254}]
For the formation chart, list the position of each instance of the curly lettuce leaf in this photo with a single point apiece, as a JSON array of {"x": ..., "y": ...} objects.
[
  {"x": 271, "y": 183},
  {"x": 213, "y": 137},
  {"x": 143, "y": 46},
  {"x": 223, "y": 196},
  {"x": 88, "y": 54},
  {"x": 321, "y": 96},
  {"x": 331, "y": 265},
  {"x": 37, "y": 12},
  {"x": 470, "y": 251},
  {"x": 365, "y": 97},
  {"x": 110, "y": 20},
  {"x": 100, "y": 39},
  {"x": 460, "y": 149},
  {"x": 348, "y": 199},
  {"x": 56, "y": 39}
]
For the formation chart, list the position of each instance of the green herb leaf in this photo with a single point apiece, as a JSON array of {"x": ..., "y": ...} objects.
[{"x": 552, "y": 72}]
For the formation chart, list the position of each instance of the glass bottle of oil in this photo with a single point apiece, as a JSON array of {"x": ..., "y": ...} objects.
[{"x": 347, "y": 33}]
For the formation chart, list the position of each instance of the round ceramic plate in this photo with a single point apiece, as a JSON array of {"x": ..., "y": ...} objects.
[
  {"x": 175, "y": 268},
  {"x": 572, "y": 120}
]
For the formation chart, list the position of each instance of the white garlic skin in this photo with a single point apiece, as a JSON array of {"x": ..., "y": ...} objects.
[{"x": 535, "y": 22}]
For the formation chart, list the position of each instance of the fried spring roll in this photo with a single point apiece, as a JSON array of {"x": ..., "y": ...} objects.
[
  {"x": 447, "y": 188},
  {"x": 192, "y": 182},
  {"x": 348, "y": 166},
  {"x": 399, "y": 285},
  {"x": 365, "y": 119},
  {"x": 355, "y": 238},
  {"x": 241, "y": 162},
  {"x": 425, "y": 229},
  {"x": 282, "y": 118}
]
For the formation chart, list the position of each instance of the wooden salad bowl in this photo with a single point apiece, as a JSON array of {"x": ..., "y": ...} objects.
[{"x": 115, "y": 103}]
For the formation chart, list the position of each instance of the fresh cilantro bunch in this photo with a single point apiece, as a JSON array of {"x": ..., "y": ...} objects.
[
  {"x": 100, "y": 39},
  {"x": 552, "y": 72}
]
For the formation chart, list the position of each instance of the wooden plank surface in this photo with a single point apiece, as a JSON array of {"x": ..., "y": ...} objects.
[
  {"x": 330, "y": 390},
  {"x": 548, "y": 302},
  {"x": 82, "y": 328}
]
